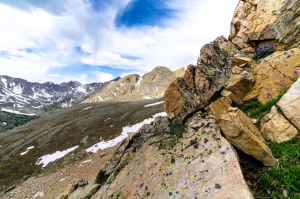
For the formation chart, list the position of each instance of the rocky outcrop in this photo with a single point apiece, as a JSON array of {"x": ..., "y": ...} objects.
[
  {"x": 201, "y": 84},
  {"x": 241, "y": 132},
  {"x": 274, "y": 74},
  {"x": 258, "y": 22},
  {"x": 289, "y": 104},
  {"x": 153, "y": 163},
  {"x": 276, "y": 127}
]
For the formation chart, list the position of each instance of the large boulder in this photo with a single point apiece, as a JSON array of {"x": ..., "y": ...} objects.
[
  {"x": 241, "y": 132},
  {"x": 274, "y": 74},
  {"x": 256, "y": 22},
  {"x": 276, "y": 127},
  {"x": 289, "y": 104},
  {"x": 202, "y": 164},
  {"x": 201, "y": 84}
]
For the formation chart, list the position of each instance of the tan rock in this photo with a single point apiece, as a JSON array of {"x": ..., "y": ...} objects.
[
  {"x": 237, "y": 61},
  {"x": 257, "y": 21},
  {"x": 201, "y": 164},
  {"x": 179, "y": 72},
  {"x": 201, "y": 84},
  {"x": 230, "y": 95},
  {"x": 274, "y": 75},
  {"x": 276, "y": 128},
  {"x": 241, "y": 80},
  {"x": 241, "y": 132},
  {"x": 289, "y": 104}
]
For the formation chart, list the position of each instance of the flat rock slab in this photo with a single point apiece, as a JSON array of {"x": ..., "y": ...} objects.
[
  {"x": 202, "y": 164},
  {"x": 241, "y": 132}
]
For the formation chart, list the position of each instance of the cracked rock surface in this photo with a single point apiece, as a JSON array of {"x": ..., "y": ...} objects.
[
  {"x": 274, "y": 75},
  {"x": 201, "y": 164}
]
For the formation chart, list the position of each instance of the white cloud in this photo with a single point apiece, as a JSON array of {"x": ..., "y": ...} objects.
[
  {"x": 53, "y": 39},
  {"x": 103, "y": 77}
]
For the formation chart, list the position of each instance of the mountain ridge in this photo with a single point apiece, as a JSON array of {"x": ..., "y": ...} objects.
[{"x": 22, "y": 95}]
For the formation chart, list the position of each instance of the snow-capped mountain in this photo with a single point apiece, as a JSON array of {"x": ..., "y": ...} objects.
[{"x": 19, "y": 94}]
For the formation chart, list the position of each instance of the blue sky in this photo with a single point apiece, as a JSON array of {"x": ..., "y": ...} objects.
[{"x": 98, "y": 40}]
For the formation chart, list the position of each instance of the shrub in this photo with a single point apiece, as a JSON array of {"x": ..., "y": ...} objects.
[{"x": 264, "y": 51}]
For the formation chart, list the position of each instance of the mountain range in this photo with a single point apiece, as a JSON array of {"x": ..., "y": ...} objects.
[{"x": 30, "y": 97}]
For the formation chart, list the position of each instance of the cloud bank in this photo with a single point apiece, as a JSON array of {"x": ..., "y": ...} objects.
[{"x": 97, "y": 40}]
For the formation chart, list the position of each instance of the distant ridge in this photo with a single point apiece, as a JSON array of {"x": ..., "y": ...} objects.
[
  {"x": 135, "y": 87},
  {"x": 30, "y": 97}
]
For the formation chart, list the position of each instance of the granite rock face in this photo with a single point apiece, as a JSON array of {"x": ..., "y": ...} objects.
[
  {"x": 258, "y": 22},
  {"x": 274, "y": 74},
  {"x": 289, "y": 104},
  {"x": 241, "y": 132},
  {"x": 203, "y": 83},
  {"x": 201, "y": 164},
  {"x": 276, "y": 128}
]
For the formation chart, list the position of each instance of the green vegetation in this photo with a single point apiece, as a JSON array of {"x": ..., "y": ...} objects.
[
  {"x": 287, "y": 175},
  {"x": 257, "y": 110},
  {"x": 177, "y": 129},
  {"x": 264, "y": 51},
  {"x": 11, "y": 120}
]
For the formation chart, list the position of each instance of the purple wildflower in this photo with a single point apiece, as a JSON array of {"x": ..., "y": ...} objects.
[
  {"x": 281, "y": 84},
  {"x": 268, "y": 95},
  {"x": 295, "y": 72}
]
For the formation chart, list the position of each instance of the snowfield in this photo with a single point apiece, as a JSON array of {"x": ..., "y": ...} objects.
[
  {"x": 154, "y": 104},
  {"x": 125, "y": 132},
  {"x": 46, "y": 159},
  {"x": 15, "y": 112}
]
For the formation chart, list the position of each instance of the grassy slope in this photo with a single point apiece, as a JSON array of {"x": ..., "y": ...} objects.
[
  {"x": 63, "y": 130},
  {"x": 268, "y": 182}
]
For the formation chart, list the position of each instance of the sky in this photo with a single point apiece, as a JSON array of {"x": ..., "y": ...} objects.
[{"x": 98, "y": 40}]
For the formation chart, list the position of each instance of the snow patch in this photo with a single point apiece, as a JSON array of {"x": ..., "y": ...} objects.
[
  {"x": 107, "y": 119},
  {"x": 87, "y": 108},
  {"x": 23, "y": 153},
  {"x": 46, "y": 159},
  {"x": 139, "y": 82},
  {"x": 154, "y": 104},
  {"x": 147, "y": 97},
  {"x": 4, "y": 81},
  {"x": 15, "y": 112},
  {"x": 87, "y": 161},
  {"x": 41, "y": 194},
  {"x": 100, "y": 99},
  {"x": 17, "y": 90},
  {"x": 125, "y": 132}
]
